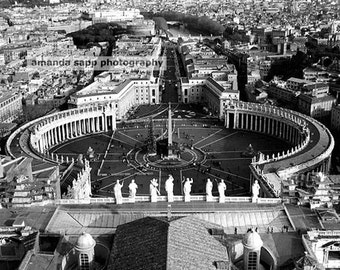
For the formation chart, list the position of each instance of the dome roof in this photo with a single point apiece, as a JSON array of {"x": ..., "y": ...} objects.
[
  {"x": 252, "y": 240},
  {"x": 85, "y": 242}
]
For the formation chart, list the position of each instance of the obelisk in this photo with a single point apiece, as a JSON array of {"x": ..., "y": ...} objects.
[{"x": 169, "y": 132}]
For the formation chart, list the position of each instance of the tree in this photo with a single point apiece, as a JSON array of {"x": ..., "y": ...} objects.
[{"x": 161, "y": 23}]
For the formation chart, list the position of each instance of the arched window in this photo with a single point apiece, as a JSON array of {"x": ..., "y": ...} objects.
[
  {"x": 252, "y": 261},
  {"x": 84, "y": 262}
]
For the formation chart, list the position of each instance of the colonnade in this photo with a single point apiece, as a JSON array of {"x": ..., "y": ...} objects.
[
  {"x": 306, "y": 156},
  {"x": 266, "y": 124},
  {"x": 71, "y": 124}
]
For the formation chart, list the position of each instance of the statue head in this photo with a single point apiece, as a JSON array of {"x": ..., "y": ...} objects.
[
  {"x": 208, "y": 180},
  {"x": 222, "y": 180},
  {"x": 133, "y": 180}
]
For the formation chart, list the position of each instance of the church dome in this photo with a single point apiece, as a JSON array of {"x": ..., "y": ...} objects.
[
  {"x": 252, "y": 240},
  {"x": 85, "y": 242}
]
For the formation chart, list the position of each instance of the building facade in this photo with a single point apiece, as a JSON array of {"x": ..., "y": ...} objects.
[{"x": 10, "y": 107}]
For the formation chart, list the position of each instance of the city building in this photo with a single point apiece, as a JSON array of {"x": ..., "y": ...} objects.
[
  {"x": 323, "y": 246},
  {"x": 122, "y": 93},
  {"x": 295, "y": 84},
  {"x": 316, "y": 107},
  {"x": 210, "y": 80},
  {"x": 335, "y": 118},
  {"x": 23, "y": 186},
  {"x": 10, "y": 107}
]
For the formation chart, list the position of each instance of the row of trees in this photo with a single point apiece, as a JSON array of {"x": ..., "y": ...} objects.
[
  {"x": 99, "y": 32},
  {"x": 31, "y": 112},
  {"x": 290, "y": 67},
  {"x": 203, "y": 25},
  {"x": 234, "y": 35}
]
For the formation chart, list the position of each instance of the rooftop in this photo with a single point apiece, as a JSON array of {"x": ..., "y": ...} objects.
[{"x": 156, "y": 243}]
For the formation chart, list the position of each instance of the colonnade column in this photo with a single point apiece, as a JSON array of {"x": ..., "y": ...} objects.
[
  {"x": 54, "y": 136},
  {"x": 67, "y": 130},
  {"x": 88, "y": 127},
  {"x": 77, "y": 128},
  {"x": 97, "y": 124},
  {"x": 92, "y": 125},
  {"x": 71, "y": 130},
  {"x": 242, "y": 120},
  {"x": 46, "y": 140},
  {"x": 40, "y": 145},
  {"x": 105, "y": 122},
  {"x": 268, "y": 125},
  {"x": 113, "y": 123},
  {"x": 49, "y": 138}
]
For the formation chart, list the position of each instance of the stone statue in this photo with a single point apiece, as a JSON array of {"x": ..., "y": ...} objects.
[
  {"x": 118, "y": 192},
  {"x": 90, "y": 152},
  {"x": 322, "y": 176},
  {"x": 80, "y": 161},
  {"x": 256, "y": 189},
  {"x": 76, "y": 191},
  {"x": 153, "y": 190},
  {"x": 221, "y": 190},
  {"x": 132, "y": 189},
  {"x": 208, "y": 188},
  {"x": 87, "y": 192},
  {"x": 169, "y": 188},
  {"x": 187, "y": 187}
]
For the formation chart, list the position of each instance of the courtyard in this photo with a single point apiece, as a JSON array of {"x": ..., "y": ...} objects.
[{"x": 221, "y": 151}]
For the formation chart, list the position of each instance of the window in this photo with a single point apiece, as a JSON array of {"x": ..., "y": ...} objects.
[
  {"x": 84, "y": 262},
  {"x": 252, "y": 259}
]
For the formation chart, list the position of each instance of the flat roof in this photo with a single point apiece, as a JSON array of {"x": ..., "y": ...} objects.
[
  {"x": 297, "y": 80},
  {"x": 320, "y": 139}
]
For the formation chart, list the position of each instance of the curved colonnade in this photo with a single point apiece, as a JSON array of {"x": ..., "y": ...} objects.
[
  {"x": 37, "y": 137},
  {"x": 312, "y": 143}
]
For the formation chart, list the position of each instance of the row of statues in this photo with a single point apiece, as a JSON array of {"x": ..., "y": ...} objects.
[{"x": 169, "y": 188}]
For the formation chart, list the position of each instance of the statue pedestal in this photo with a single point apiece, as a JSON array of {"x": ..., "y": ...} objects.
[
  {"x": 221, "y": 199},
  {"x": 254, "y": 199},
  {"x": 119, "y": 201},
  {"x": 209, "y": 198},
  {"x": 170, "y": 198},
  {"x": 153, "y": 198},
  {"x": 186, "y": 198}
]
